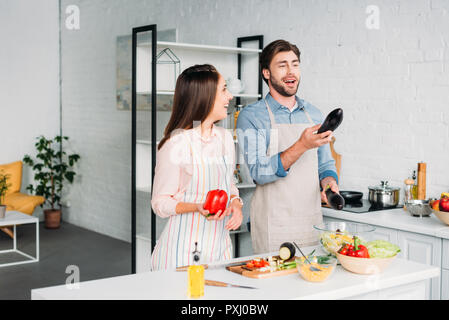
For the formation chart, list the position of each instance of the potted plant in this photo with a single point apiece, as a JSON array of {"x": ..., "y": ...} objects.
[
  {"x": 3, "y": 188},
  {"x": 52, "y": 168}
]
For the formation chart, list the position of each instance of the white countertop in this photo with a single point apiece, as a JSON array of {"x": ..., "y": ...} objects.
[
  {"x": 394, "y": 219},
  {"x": 172, "y": 285}
]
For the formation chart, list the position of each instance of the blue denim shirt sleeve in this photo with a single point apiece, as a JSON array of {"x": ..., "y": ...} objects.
[
  {"x": 326, "y": 163},
  {"x": 281, "y": 172},
  {"x": 253, "y": 138},
  {"x": 253, "y": 145}
]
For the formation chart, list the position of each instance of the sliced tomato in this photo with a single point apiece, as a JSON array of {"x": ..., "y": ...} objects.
[{"x": 250, "y": 265}]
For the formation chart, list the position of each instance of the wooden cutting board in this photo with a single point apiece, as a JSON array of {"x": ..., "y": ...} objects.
[{"x": 256, "y": 274}]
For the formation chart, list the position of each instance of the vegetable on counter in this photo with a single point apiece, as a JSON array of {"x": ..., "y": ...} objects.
[
  {"x": 332, "y": 241},
  {"x": 287, "y": 251},
  {"x": 257, "y": 263},
  {"x": 373, "y": 249},
  {"x": 382, "y": 249},
  {"x": 357, "y": 250}
]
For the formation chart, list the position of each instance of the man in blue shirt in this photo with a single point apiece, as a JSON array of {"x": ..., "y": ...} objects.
[{"x": 287, "y": 160}]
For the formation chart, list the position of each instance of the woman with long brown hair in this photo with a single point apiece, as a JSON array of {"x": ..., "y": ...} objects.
[{"x": 194, "y": 157}]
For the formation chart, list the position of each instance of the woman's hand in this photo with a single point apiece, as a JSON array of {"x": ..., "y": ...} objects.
[
  {"x": 236, "y": 219},
  {"x": 201, "y": 210},
  {"x": 205, "y": 213}
]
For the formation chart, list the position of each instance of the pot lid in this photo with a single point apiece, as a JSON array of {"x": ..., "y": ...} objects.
[{"x": 384, "y": 187}]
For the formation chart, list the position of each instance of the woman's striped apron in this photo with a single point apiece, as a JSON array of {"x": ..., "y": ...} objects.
[{"x": 177, "y": 241}]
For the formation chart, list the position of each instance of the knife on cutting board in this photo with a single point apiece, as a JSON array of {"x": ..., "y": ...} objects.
[
  {"x": 224, "y": 284},
  {"x": 213, "y": 266}
]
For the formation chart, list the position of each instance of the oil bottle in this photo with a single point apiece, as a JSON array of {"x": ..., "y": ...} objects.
[
  {"x": 238, "y": 108},
  {"x": 195, "y": 275},
  {"x": 414, "y": 187}
]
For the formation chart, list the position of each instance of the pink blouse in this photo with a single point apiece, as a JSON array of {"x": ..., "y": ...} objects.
[{"x": 174, "y": 165}]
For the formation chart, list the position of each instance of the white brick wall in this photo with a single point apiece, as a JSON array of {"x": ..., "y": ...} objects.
[
  {"x": 392, "y": 83},
  {"x": 29, "y": 78}
]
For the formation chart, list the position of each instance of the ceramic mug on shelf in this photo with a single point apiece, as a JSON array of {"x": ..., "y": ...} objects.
[{"x": 235, "y": 85}]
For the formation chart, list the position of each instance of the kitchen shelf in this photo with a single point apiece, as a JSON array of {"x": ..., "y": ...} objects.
[
  {"x": 148, "y": 142},
  {"x": 236, "y": 95},
  {"x": 202, "y": 47},
  {"x": 145, "y": 83},
  {"x": 144, "y": 190}
]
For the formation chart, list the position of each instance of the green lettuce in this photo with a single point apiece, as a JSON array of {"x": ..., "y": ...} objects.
[{"x": 382, "y": 249}]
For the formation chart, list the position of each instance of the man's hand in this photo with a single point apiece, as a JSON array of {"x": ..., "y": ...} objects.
[
  {"x": 309, "y": 139},
  {"x": 328, "y": 181}
]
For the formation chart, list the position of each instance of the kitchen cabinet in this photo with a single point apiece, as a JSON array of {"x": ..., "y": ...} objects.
[
  {"x": 445, "y": 271},
  {"x": 153, "y": 84},
  {"x": 424, "y": 249},
  {"x": 445, "y": 262},
  {"x": 390, "y": 235},
  {"x": 445, "y": 284},
  {"x": 415, "y": 247}
]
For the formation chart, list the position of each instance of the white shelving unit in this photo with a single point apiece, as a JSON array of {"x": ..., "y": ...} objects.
[
  {"x": 236, "y": 95},
  {"x": 232, "y": 63},
  {"x": 202, "y": 47}
]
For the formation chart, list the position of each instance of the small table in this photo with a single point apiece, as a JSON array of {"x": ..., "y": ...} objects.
[{"x": 15, "y": 218}]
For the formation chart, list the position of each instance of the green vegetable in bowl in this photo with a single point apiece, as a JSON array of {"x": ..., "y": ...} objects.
[{"x": 382, "y": 249}]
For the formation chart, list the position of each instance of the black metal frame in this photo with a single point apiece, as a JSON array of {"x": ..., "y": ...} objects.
[
  {"x": 153, "y": 29},
  {"x": 239, "y": 61},
  {"x": 241, "y": 40}
]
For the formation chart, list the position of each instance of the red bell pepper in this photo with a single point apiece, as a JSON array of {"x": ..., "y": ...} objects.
[
  {"x": 359, "y": 250},
  {"x": 346, "y": 249},
  {"x": 216, "y": 200}
]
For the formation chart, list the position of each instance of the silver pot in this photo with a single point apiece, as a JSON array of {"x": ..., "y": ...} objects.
[{"x": 384, "y": 196}]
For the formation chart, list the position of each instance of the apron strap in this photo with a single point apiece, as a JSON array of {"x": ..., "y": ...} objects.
[{"x": 272, "y": 116}]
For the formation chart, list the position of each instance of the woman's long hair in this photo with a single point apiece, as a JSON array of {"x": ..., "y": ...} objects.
[{"x": 194, "y": 98}]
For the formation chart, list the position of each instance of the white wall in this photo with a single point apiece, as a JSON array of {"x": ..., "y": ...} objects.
[
  {"x": 29, "y": 77},
  {"x": 392, "y": 84}
]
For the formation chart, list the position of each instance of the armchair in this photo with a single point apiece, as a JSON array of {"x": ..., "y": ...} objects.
[{"x": 14, "y": 199}]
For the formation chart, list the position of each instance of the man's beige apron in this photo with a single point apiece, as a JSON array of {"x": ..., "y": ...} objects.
[{"x": 287, "y": 209}]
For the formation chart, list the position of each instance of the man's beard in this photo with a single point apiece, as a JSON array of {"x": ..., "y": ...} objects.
[{"x": 286, "y": 92}]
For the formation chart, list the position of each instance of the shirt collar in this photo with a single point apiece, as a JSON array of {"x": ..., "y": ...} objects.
[
  {"x": 275, "y": 106},
  {"x": 197, "y": 131}
]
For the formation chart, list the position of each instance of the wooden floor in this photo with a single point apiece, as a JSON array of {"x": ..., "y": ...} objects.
[{"x": 96, "y": 256}]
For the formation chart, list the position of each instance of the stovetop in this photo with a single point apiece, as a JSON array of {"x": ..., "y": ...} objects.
[{"x": 364, "y": 206}]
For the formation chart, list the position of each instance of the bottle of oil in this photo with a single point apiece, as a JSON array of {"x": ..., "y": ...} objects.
[
  {"x": 415, "y": 186},
  {"x": 195, "y": 276},
  {"x": 236, "y": 116}
]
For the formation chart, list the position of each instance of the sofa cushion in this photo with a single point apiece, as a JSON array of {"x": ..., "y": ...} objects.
[{"x": 14, "y": 170}]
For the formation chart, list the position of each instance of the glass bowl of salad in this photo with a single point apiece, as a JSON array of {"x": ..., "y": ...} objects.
[
  {"x": 335, "y": 234},
  {"x": 319, "y": 269}
]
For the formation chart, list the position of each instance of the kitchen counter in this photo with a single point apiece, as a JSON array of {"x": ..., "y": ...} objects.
[
  {"x": 402, "y": 279},
  {"x": 394, "y": 219}
]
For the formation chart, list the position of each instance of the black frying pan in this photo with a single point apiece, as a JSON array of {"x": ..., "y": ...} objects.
[{"x": 351, "y": 196}]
